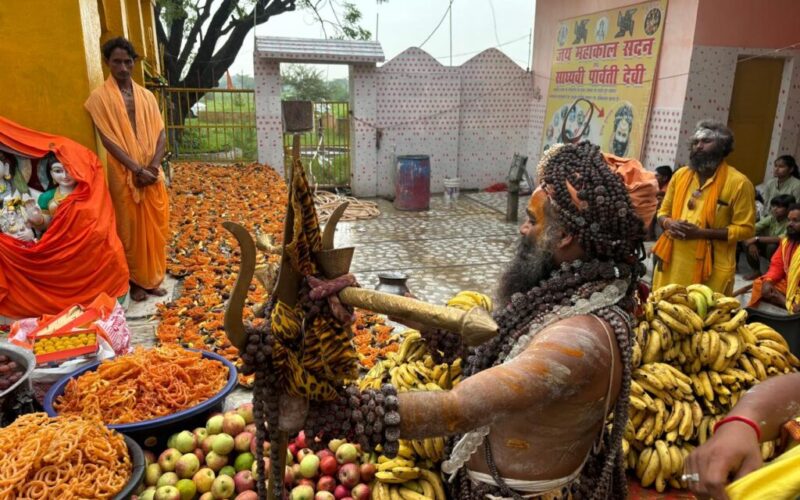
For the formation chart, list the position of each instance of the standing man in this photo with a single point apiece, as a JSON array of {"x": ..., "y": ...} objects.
[
  {"x": 709, "y": 206},
  {"x": 131, "y": 129}
]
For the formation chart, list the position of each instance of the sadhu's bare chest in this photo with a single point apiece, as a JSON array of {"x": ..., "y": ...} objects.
[{"x": 130, "y": 107}]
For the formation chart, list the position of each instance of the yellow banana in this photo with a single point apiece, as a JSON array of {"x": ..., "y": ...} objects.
[
  {"x": 665, "y": 292},
  {"x": 636, "y": 355},
  {"x": 707, "y": 292},
  {"x": 676, "y": 459},
  {"x": 435, "y": 481},
  {"x": 406, "y": 473},
  {"x": 716, "y": 383},
  {"x": 732, "y": 324},
  {"x": 734, "y": 344},
  {"x": 644, "y": 375},
  {"x": 708, "y": 389},
  {"x": 675, "y": 417},
  {"x": 651, "y": 471},
  {"x": 652, "y": 351},
  {"x": 644, "y": 460},
  {"x": 685, "y": 427},
  {"x": 747, "y": 334},
  {"x": 699, "y": 303},
  {"x": 713, "y": 317},
  {"x": 646, "y": 428},
  {"x": 427, "y": 489},
  {"x": 697, "y": 413},
  {"x": 664, "y": 457},
  {"x": 778, "y": 347},
  {"x": 386, "y": 476},
  {"x": 682, "y": 314},
  {"x": 763, "y": 332},
  {"x": 673, "y": 323},
  {"x": 727, "y": 304},
  {"x": 393, "y": 463}
]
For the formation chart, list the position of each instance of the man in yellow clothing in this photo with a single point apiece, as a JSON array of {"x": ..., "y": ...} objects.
[
  {"x": 708, "y": 207},
  {"x": 131, "y": 129}
]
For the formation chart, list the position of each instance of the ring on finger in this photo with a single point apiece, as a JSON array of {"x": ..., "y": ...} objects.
[{"x": 693, "y": 477}]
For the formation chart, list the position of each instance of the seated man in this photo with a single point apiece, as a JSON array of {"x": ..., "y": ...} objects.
[
  {"x": 561, "y": 361},
  {"x": 769, "y": 231},
  {"x": 80, "y": 255},
  {"x": 781, "y": 284}
]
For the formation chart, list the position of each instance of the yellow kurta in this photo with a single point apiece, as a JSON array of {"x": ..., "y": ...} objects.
[
  {"x": 142, "y": 212},
  {"x": 735, "y": 211}
]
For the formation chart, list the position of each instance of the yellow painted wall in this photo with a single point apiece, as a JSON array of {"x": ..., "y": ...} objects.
[{"x": 52, "y": 62}]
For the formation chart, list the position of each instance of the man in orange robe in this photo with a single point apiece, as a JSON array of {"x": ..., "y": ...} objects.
[
  {"x": 131, "y": 129},
  {"x": 79, "y": 256},
  {"x": 781, "y": 283}
]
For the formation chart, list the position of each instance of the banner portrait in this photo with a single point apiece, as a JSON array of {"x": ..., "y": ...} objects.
[{"x": 601, "y": 79}]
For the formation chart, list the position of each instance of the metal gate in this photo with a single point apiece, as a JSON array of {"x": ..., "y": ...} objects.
[
  {"x": 214, "y": 125},
  {"x": 325, "y": 151}
]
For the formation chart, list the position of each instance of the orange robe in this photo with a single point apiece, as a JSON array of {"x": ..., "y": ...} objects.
[
  {"x": 79, "y": 256},
  {"x": 142, "y": 213}
]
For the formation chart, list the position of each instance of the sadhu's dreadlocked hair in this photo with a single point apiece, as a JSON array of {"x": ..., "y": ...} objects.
[{"x": 591, "y": 202}]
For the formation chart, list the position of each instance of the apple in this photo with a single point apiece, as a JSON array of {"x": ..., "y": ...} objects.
[
  {"x": 187, "y": 466},
  {"x": 233, "y": 424},
  {"x": 228, "y": 470},
  {"x": 203, "y": 479},
  {"x": 325, "y": 452},
  {"x": 223, "y": 487},
  {"x": 288, "y": 476},
  {"x": 307, "y": 482},
  {"x": 329, "y": 465},
  {"x": 302, "y": 453},
  {"x": 167, "y": 479},
  {"x": 172, "y": 440},
  {"x": 292, "y": 448},
  {"x": 334, "y": 444},
  {"x": 200, "y": 433},
  {"x": 167, "y": 493},
  {"x": 185, "y": 442},
  {"x": 244, "y": 461},
  {"x": 243, "y": 480},
  {"x": 242, "y": 441},
  {"x": 289, "y": 457},
  {"x": 246, "y": 412},
  {"x": 360, "y": 492},
  {"x": 324, "y": 495},
  {"x": 214, "y": 424},
  {"x": 251, "y": 428},
  {"x": 200, "y": 454},
  {"x": 309, "y": 466},
  {"x": 349, "y": 475},
  {"x": 346, "y": 453},
  {"x": 149, "y": 493},
  {"x": 300, "y": 440},
  {"x": 341, "y": 491},
  {"x": 149, "y": 457},
  {"x": 187, "y": 489},
  {"x": 169, "y": 459},
  {"x": 205, "y": 445},
  {"x": 206, "y": 496},
  {"x": 302, "y": 492},
  {"x": 367, "y": 472},
  {"x": 247, "y": 495},
  {"x": 296, "y": 471},
  {"x": 151, "y": 474},
  {"x": 223, "y": 444},
  {"x": 254, "y": 470},
  {"x": 326, "y": 483},
  {"x": 216, "y": 461}
]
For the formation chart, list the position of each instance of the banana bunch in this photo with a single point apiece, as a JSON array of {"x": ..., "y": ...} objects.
[
  {"x": 411, "y": 368},
  {"x": 426, "y": 485},
  {"x": 466, "y": 300},
  {"x": 694, "y": 356}
]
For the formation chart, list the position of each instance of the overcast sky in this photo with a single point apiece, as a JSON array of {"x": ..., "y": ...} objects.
[{"x": 477, "y": 25}]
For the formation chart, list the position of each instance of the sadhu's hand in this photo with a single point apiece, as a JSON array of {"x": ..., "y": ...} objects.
[
  {"x": 144, "y": 177},
  {"x": 683, "y": 230},
  {"x": 732, "y": 452}
]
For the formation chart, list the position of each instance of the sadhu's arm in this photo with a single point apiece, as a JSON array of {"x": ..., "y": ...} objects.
[{"x": 566, "y": 359}]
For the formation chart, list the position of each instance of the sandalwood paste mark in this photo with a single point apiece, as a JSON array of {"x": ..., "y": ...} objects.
[
  {"x": 553, "y": 346},
  {"x": 517, "y": 444}
]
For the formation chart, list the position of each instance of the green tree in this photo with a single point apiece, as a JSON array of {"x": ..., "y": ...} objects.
[{"x": 304, "y": 83}]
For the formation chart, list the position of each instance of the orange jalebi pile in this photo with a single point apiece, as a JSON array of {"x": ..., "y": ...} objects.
[
  {"x": 372, "y": 337},
  {"x": 202, "y": 197},
  {"x": 146, "y": 384},
  {"x": 61, "y": 458}
]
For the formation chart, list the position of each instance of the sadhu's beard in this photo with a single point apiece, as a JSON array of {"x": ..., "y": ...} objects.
[
  {"x": 620, "y": 147},
  {"x": 793, "y": 235},
  {"x": 532, "y": 263},
  {"x": 705, "y": 162}
]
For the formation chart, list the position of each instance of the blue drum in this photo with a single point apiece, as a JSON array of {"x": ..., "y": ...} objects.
[{"x": 412, "y": 186}]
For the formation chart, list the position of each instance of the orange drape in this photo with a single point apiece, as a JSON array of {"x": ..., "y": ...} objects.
[
  {"x": 641, "y": 183},
  {"x": 80, "y": 255},
  {"x": 142, "y": 213}
]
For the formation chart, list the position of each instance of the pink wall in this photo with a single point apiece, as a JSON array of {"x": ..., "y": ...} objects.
[{"x": 747, "y": 23}]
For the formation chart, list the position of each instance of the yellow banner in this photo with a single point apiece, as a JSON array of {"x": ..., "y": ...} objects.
[{"x": 601, "y": 81}]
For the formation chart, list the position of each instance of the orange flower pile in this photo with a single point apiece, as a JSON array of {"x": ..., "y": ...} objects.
[
  {"x": 372, "y": 337},
  {"x": 146, "y": 384},
  {"x": 202, "y": 197}
]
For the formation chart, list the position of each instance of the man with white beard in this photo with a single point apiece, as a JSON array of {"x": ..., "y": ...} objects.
[{"x": 709, "y": 206}]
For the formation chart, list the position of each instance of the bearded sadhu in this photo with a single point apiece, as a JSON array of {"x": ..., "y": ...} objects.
[
  {"x": 529, "y": 419},
  {"x": 709, "y": 207}
]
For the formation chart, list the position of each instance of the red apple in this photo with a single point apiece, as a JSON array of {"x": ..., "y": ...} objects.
[
  {"x": 233, "y": 424},
  {"x": 325, "y": 452},
  {"x": 341, "y": 491},
  {"x": 292, "y": 447},
  {"x": 200, "y": 454},
  {"x": 367, "y": 472},
  {"x": 360, "y": 492},
  {"x": 244, "y": 481},
  {"x": 203, "y": 479},
  {"x": 169, "y": 459},
  {"x": 326, "y": 483},
  {"x": 324, "y": 495},
  {"x": 349, "y": 475},
  {"x": 251, "y": 428},
  {"x": 205, "y": 445},
  {"x": 346, "y": 453},
  {"x": 300, "y": 440},
  {"x": 200, "y": 433},
  {"x": 288, "y": 476},
  {"x": 187, "y": 466},
  {"x": 328, "y": 465},
  {"x": 242, "y": 441},
  {"x": 246, "y": 412},
  {"x": 247, "y": 495},
  {"x": 149, "y": 457}
]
